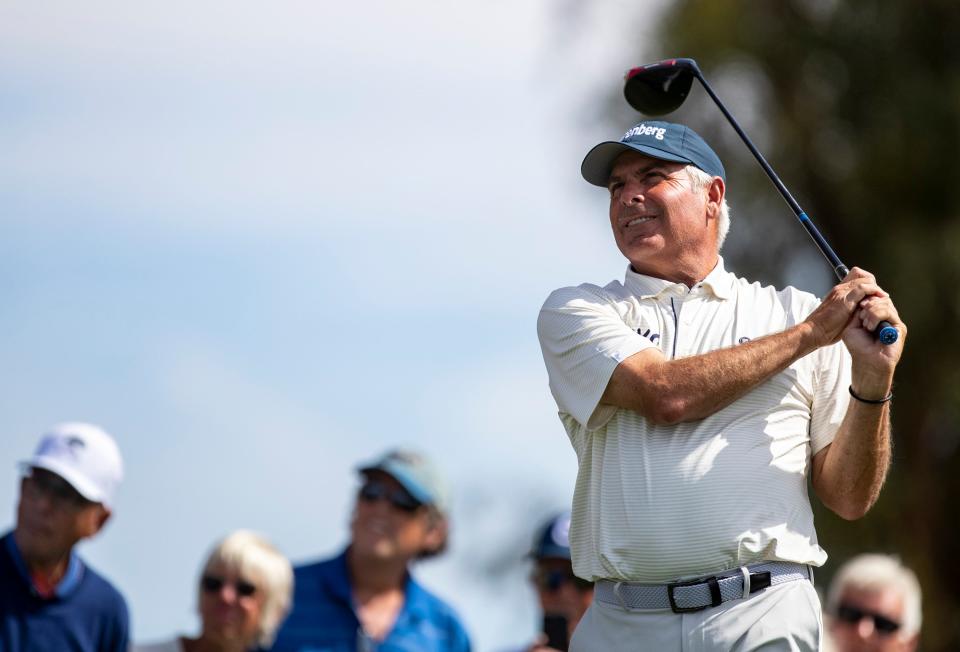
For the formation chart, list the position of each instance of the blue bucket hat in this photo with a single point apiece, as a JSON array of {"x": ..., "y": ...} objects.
[
  {"x": 666, "y": 141},
  {"x": 416, "y": 474}
]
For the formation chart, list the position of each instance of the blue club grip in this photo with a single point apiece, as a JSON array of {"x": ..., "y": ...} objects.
[{"x": 886, "y": 333}]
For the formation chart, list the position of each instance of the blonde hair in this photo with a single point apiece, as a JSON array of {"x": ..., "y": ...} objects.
[
  {"x": 255, "y": 558},
  {"x": 699, "y": 180},
  {"x": 874, "y": 572}
]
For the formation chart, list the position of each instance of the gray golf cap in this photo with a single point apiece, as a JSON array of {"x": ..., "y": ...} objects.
[{"x": 666, "y": 141}]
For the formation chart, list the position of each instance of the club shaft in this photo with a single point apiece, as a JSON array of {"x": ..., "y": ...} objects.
[
  {"x": 885, "y": 332},
  {"x": 838, "y": 267}
]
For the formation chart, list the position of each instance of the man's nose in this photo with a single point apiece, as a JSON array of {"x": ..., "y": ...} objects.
[
  {"x": 633, "y": 193},
  {"x": 865, "y": 627}
]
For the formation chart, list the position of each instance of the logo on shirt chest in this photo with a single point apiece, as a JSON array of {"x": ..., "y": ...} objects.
[{"x": 647, "y": 333}]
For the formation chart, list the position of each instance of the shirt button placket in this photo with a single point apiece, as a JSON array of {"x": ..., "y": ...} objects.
[{"x": 676, "y": 315}]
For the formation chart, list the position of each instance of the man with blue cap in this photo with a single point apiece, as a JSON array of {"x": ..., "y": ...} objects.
[
  {"x": 365, "y": 598},
  {"x": 563, "y": 596},
  {"x": 699, "y": 404}
]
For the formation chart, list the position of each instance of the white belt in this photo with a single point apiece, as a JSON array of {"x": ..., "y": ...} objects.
[{"x": 697, "y": 594}]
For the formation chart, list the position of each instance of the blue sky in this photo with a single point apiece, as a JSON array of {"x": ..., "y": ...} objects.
[{"x": 260, "y": 243}]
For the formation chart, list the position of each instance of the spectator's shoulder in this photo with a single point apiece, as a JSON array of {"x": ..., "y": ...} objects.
[
  {"x": 102, "y": 604},
  {"x": 165, "y": 646},
  {"x": 440, "y": 613},
  {"x": 319, "y": 577},
  {"x": 107, "y": 595},
  {"x": 318, "y": 567}
]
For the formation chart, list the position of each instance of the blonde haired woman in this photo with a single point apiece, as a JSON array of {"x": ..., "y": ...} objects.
[{"x": 244, "y": 594}]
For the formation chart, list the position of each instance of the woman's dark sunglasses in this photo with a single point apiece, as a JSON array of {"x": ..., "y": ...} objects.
[
  {"x": 214, "y": 584},
  {"x": 853, "y": 615},
  {"x": 373, "y": 491}
]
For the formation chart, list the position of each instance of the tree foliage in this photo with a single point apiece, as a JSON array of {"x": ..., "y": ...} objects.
[{"x": 857, "y": 106}]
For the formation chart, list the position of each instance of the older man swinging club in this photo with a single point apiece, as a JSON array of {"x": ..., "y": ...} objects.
[{"x": 698, "y": 403}]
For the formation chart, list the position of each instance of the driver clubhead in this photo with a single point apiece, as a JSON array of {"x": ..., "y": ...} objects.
[{"x": 659, "y": 88}]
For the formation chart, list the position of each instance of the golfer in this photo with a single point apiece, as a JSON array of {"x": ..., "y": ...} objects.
[{"x": 698, "y": 404}]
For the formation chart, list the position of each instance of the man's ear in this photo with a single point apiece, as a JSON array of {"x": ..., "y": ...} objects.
[
  {"x": 435, "y": 539},
  {"x": 95, "y": 520},
  {"x": 715, "y": 192}
]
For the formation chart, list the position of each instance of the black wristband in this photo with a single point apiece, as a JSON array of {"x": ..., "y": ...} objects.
[{"x": 870, "y": 400}]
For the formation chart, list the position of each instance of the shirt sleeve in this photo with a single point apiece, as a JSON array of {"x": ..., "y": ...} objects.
[
  {"x": 583, "y": 339},
  {"x": 830, "y": 397}
]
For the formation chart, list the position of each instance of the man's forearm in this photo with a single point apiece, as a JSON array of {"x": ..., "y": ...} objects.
[
  {"x": 849, "y": 474},
  {"x": 687, "y": 389}
]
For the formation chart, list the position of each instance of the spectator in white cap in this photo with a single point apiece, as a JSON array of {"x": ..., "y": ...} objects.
[
  {"x": 49, "y": 598},
  {"x": 365, "y": 598}
]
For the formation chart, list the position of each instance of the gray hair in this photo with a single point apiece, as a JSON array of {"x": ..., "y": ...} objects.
[
  {"x": 254, "y": 558},
  {"x": 699, "y": 180},
  {"x": 874, "y": 572}
]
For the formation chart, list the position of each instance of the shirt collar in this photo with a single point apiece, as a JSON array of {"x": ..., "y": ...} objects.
[
  {"x": 718, "y": 282},
  {"x": 67, "y": 584},
  {"x": 416, "y": 602}
]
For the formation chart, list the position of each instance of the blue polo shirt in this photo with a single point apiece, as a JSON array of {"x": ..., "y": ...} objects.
[
  {"x": 324, "y": 620},
  {"x": 86, "y": 614}
]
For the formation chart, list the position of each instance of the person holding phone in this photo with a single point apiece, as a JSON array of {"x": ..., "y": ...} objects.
[{"x": 563, "y": 596}]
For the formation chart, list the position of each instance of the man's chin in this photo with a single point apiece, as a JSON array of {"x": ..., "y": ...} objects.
[{"x": 378, "y": 550}]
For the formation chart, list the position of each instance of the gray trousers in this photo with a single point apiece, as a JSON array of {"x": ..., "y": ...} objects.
[{"x": 784, "y": 618}]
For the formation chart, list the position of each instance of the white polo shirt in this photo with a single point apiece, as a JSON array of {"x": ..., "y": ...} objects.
[{"x": 655, "y": 503}]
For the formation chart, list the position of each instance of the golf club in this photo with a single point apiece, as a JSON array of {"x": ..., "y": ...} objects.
[{"x": 661, "y": 87}]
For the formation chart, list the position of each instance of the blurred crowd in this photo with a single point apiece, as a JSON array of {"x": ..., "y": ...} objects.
[{"x": 365, "y": 598}]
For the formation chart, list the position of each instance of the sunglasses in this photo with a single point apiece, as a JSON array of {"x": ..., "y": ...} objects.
[
  {"x": 50, "y": 485},
  {"x": 853, "y": 615},
  {"x": 214, "y": 584},
  {"x": 554, "y": 579},
  {"x": 373, "y": 491}
]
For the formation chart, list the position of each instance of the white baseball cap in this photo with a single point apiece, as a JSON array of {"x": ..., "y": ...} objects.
[{"x": 85, "y": 456}]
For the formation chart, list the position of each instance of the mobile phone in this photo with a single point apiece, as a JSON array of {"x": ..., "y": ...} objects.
[{"x": 555, "y": 627}]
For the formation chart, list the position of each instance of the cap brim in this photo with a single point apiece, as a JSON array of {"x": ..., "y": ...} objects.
[
  {"x": 598, "y": 163},
  {"x": 398, "y": 473},
  {"x": 81, "y": 484}
]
